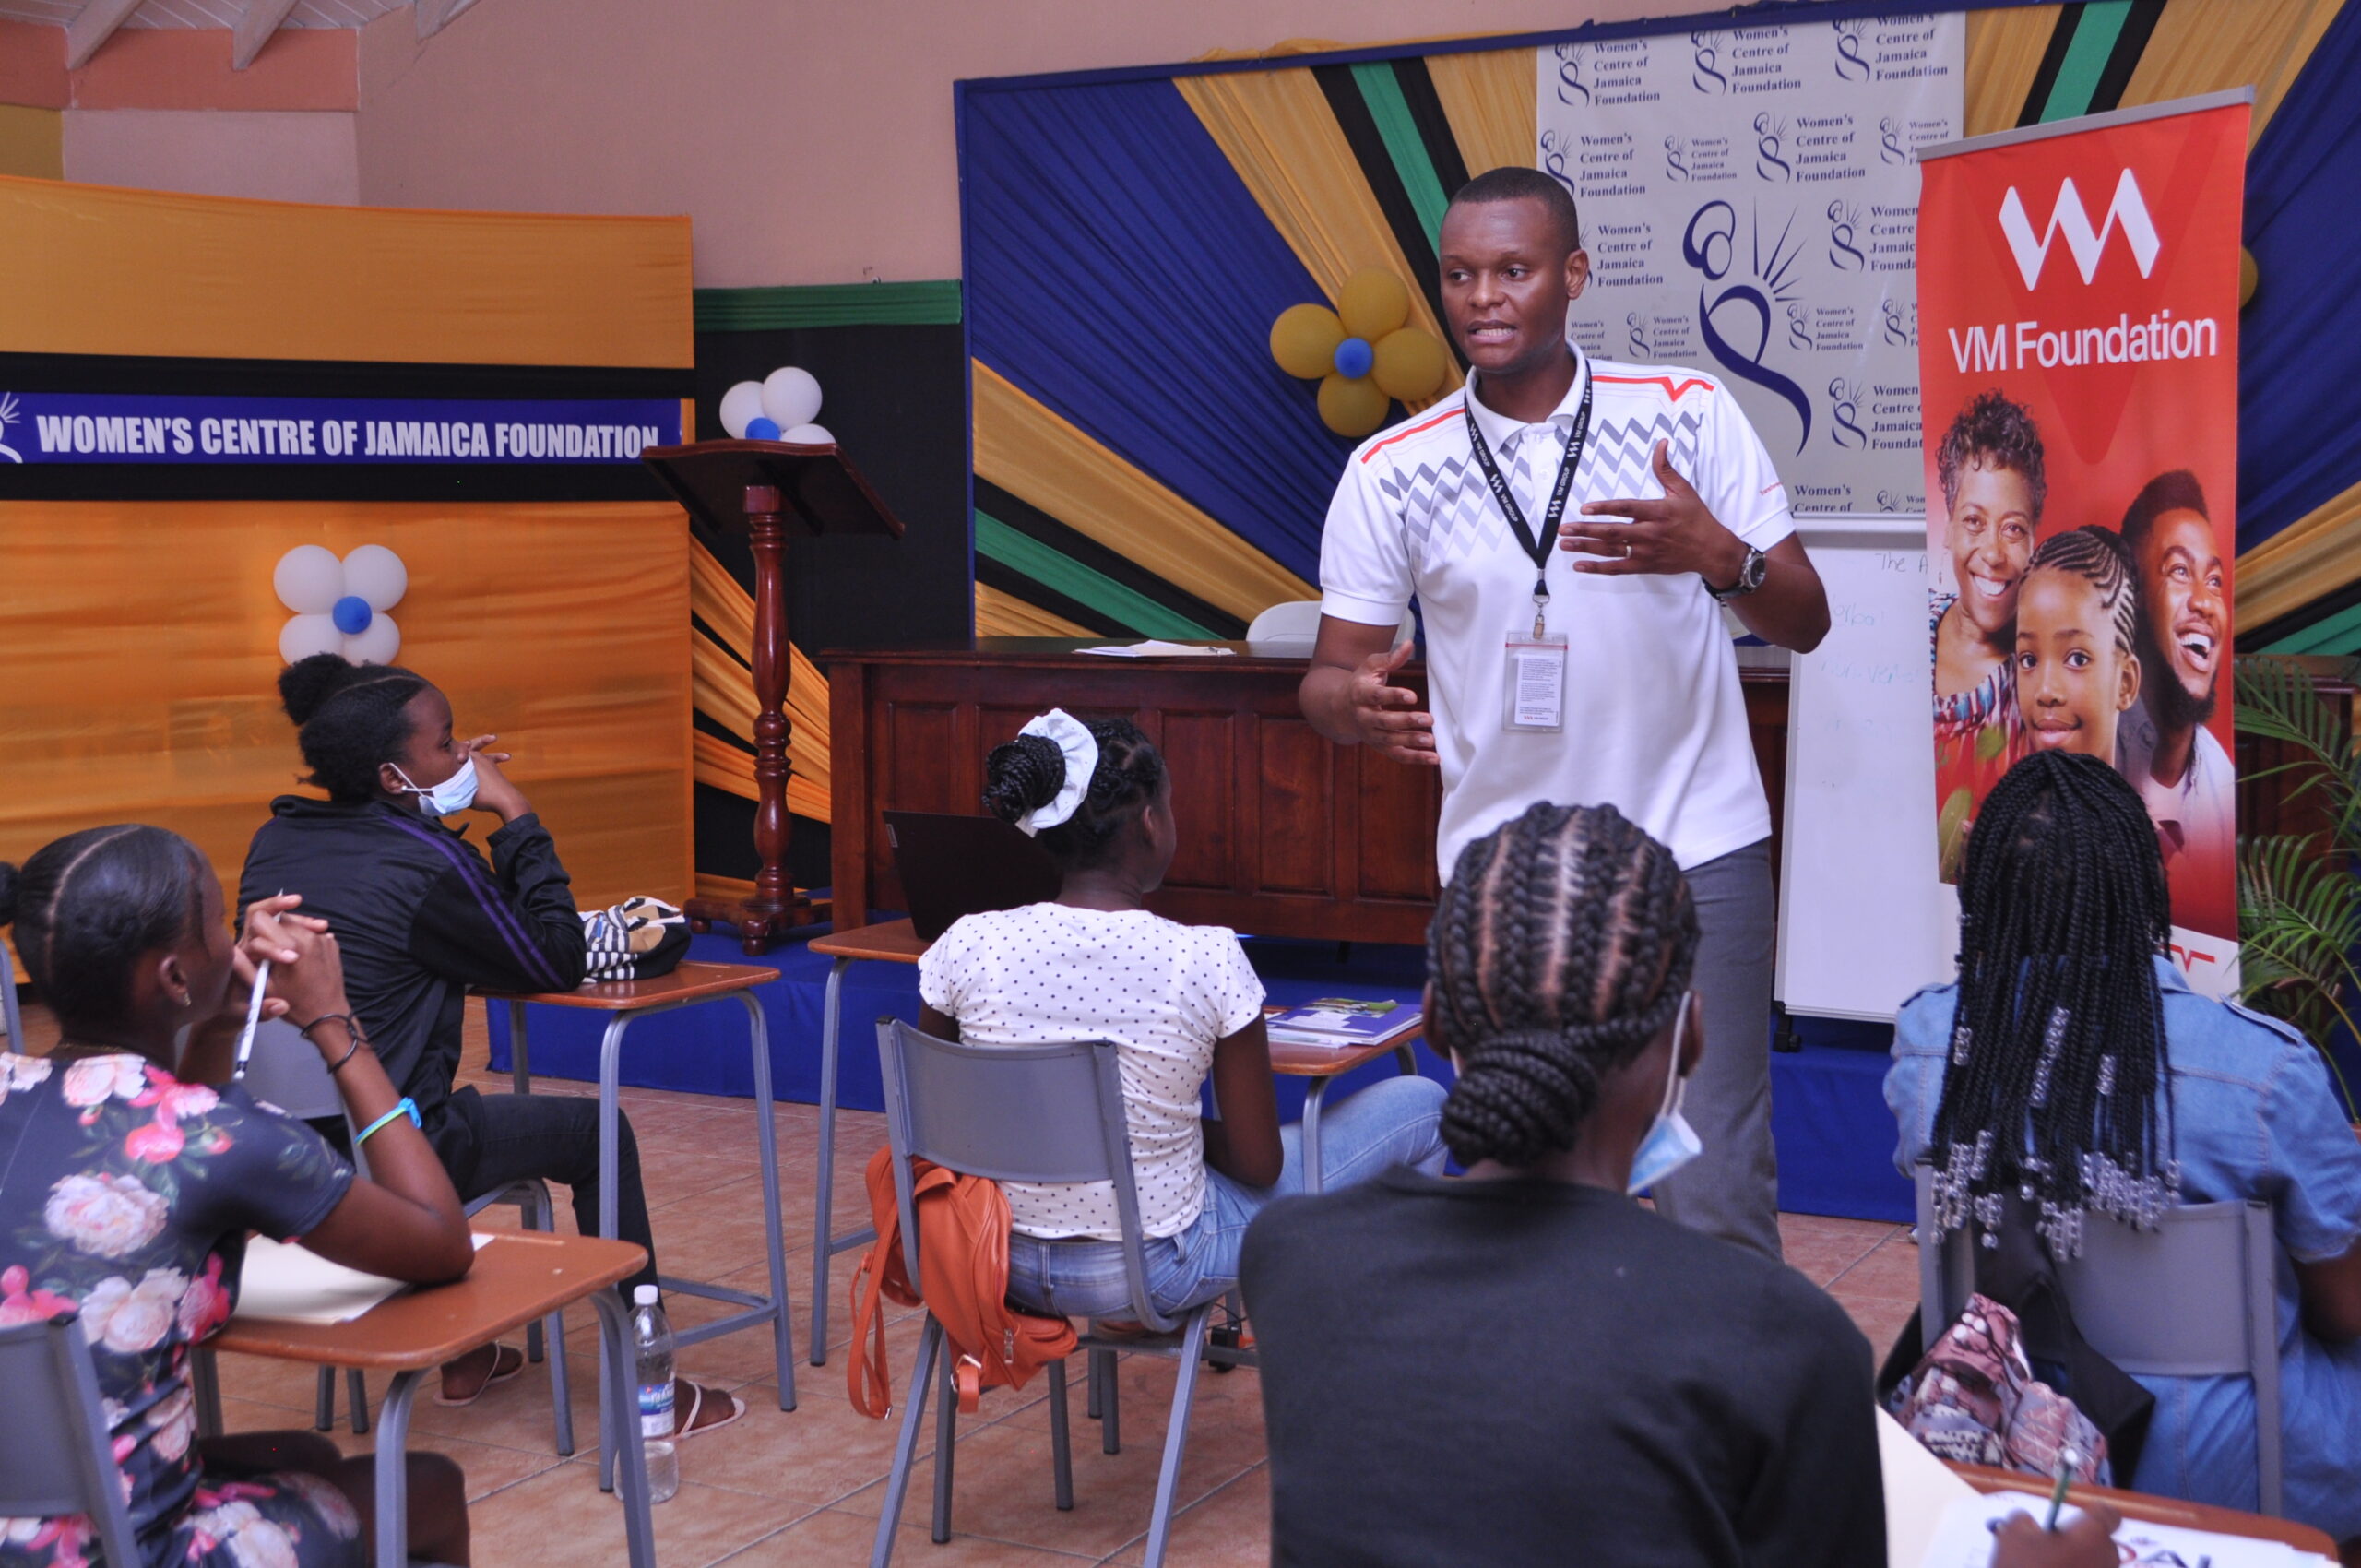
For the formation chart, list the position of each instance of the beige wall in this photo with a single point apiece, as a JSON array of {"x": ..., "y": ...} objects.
[
  {"x": 281, "y": 156},
  {"x": 812, "y": 142}
]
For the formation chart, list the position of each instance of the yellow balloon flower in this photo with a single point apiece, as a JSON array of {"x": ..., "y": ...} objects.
[{"x": 1362, "y": 353}]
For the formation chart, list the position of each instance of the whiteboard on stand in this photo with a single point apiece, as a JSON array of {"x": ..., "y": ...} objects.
[{"x": 1864, "y": 920}]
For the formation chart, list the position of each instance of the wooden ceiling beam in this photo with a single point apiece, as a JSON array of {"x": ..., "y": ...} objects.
[
  {"x": 255, "y": 24},
  {"x": 92, "y": 26}
]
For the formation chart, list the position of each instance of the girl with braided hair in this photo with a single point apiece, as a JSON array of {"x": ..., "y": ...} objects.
[
  {"x": 2071, "y": 1068},
  {"x": 1180, "y": 1004},
  {"x": 2077, "y": 632},
  {"x": 129, "y": 1185},
  {"x": 1607, "y": 1385}
]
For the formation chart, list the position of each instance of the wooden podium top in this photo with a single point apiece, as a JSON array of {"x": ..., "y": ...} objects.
[{"x": 818, "y": 487}]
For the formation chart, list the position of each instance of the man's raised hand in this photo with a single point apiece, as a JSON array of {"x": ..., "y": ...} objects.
[
  {"x": 1673, "y": 534},
  {"x": 1388, "y": 716}
]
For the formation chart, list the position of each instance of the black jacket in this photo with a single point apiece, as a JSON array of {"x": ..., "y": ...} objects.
[{"x": 418, "y": 918}]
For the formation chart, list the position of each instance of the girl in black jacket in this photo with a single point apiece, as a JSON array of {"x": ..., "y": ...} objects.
[{"x": 420, "y": 917}]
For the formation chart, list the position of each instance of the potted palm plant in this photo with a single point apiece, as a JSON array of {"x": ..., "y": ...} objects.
[{"x": 2300, "y": 899}]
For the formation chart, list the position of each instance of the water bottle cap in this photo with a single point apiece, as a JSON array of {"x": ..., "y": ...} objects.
[{"x": 643, "y": 1295}]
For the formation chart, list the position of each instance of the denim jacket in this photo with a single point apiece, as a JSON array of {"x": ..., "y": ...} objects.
[{"x": 2254, "y": 1116}]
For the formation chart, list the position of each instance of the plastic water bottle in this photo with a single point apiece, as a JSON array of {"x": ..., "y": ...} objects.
[{"x": 651, "y": 1338}]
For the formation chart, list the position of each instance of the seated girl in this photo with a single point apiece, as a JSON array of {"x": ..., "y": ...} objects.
[
  {"x": 420, "y": 917},
  {"x": 1179, "y": 1002},
  {"x": 127, "y": 1189},
  {"x": 1596, "y": 1372},
  {"x": 2073, "y": 1064}
]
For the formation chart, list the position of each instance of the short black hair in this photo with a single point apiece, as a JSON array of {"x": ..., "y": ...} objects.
[
  {"x": 1511, "y": 183},
  {"x": 350, "y": 719},
  {"x": 87, "y": 905},
  {"x": 1992, "y": 433},
  {"x": 2176, "y": 490},
  {"x": 1028, "y": 773}
]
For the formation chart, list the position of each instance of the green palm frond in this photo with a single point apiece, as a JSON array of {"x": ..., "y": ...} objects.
[{"x": 2277, "y": 700}]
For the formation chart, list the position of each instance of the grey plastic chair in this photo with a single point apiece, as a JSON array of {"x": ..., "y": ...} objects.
[
  {"x": 2193, "y": 1298},
  {"x": 1025, "y": 1113},
  {"x": 11, "y": 1024},
  {"x": 286, "y": 1070},
  {"x": 54, "y": 1453}
]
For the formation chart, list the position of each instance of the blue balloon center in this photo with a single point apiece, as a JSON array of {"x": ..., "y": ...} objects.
[
  {"x": 761, "y": 429},
  {"x": 1354, "y": 356},
  {"x": 352, "y": 614}
]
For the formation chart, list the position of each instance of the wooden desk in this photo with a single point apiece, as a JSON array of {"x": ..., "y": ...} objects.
[
  {"x": 2158, "y": 1509},
  {"x": 1282, "y": 833},
  {"x": 1323, "y": 1064},
  {"x": 517, "y": 1278}
]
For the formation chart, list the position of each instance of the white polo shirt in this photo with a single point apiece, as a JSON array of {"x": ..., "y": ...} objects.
[{"x": 1656, "y": 722}]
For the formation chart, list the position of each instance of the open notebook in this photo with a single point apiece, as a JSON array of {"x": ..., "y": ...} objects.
[{"x": 286, "y": 1283}]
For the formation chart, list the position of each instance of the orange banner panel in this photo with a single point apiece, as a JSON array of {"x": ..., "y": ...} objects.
[{"x": 139, "y": 652}]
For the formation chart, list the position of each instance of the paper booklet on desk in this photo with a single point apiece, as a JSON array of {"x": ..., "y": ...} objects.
[
  {"x": 1342, "y": 1021},
  {"x": 1156, "y": 649},
  {"x": 1964, "y": 1539},
  {"x": 283, "y": 1282}
]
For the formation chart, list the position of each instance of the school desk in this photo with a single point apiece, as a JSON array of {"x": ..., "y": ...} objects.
[
  {"x": 519, "y": 1278},
  {"x": 2160, "y": 1509}
]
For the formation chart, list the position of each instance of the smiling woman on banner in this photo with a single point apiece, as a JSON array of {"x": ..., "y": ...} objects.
[{"x": 1598, "y": 672}]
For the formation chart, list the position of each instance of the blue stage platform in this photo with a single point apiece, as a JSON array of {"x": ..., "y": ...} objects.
[{"x": 1835, "y": 1137}]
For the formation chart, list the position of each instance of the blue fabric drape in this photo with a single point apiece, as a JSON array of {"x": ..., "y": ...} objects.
[
  {"x": 2299, "y": 342},
  {"x": 1118, "y": 271}
]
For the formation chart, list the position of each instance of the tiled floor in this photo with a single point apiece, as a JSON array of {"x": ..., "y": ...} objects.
[{"x": 804, "y": 1488}]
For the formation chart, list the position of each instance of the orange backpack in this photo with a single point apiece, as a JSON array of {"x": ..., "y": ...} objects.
[{"x": 963, "y": 1275}]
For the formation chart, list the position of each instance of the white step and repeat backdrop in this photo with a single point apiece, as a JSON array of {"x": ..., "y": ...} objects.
[{"x": 1750, "y": 202}]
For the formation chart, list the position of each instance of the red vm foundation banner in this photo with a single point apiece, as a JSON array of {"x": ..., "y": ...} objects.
[{"x": 2078, "y": 298}]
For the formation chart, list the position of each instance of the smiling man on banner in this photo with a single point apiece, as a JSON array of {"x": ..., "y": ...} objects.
[{"x": 1598, "y": 670}]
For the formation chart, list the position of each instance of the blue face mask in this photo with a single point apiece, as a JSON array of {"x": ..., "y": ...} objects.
[
  {"x": 1672, "y": 1141},
  {"x": 449, "y": 797}
]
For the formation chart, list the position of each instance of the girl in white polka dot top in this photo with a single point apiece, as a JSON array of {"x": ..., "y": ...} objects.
[{"x": 1179, "y": 1001}]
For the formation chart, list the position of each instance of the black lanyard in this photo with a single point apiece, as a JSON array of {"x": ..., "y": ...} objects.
[{"x": 1576, "y": 436}]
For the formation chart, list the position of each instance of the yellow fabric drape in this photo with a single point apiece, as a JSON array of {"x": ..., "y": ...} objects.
[
  {"x": 2207, "y": 45},
  {"x": 2311, "y": 558},
  {"x": 139, "y": 656},
  {"x": 90, "y": 269},
  {"x": 2004, "y": 50},
  {"x": 1005, "y": 616},
  {"x": 725, "y": 694},
  {"x": 1279, "y": 133},
  {"x": 1038, "y": 458},
  {"x": 1489, "y": 99}
]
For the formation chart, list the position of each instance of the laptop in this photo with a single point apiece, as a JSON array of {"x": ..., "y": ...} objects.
[{"x": 952, "y": 866}]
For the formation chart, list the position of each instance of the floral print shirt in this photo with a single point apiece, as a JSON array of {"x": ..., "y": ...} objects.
[{"x": 126, "y": 1196}]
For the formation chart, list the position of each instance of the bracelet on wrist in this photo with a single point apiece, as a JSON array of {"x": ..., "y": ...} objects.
[
  {"x": 408, "y": 1106},
  {"x": 351, "y": 1029}
]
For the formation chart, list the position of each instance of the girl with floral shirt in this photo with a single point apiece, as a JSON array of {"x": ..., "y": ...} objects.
[{"x": 127, "y": 1190}]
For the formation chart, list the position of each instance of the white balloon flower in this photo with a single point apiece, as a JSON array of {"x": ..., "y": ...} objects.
[{"x": 340, "y": 605}]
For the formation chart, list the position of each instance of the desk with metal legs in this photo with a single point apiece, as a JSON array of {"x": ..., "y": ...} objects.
[{"x": 626, "y": 1002}]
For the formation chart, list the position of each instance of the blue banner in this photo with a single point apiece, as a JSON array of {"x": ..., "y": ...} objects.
[{"x": 76, "y": 427}]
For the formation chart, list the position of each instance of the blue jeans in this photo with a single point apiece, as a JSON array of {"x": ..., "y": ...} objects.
[{"x": 1395, "y": 1122}]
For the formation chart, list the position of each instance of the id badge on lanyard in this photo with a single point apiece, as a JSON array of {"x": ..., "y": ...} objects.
[{"x": 1533, "y": 685}]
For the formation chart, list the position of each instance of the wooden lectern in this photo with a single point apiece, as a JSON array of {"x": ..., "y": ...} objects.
[{"x": 775, "y": 492}]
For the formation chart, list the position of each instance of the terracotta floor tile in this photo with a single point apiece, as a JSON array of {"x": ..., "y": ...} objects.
[
  {"x": 1879, "y": 1317},
  {"x": 1229, "y": 1529},
  {"x": 832, "y": 1537},
  {"x": 560, "y": 1519},
  {"x": 1819, "y": 1248},
  {"x": 1890, "y": 1269}
]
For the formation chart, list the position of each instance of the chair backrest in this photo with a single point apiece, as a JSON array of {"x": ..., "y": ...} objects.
[
  {"x": 286, "y": 1070},
  {"x": 1050, "y": 1113},
  {"x": 56, "y": 1456},
  {"x": 11, "y": 1024},
  {"x": 2196, "y": 1297},
  {"x": 1298, "y": 620}
]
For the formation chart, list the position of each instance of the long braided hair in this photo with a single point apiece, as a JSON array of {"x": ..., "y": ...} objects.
[
  {"x": 2058, "y": 1090},
  {"x": 2100, "y": 557},
  {"x": 1563, "y": 946},
  {"x": 1026, "y": 774}
]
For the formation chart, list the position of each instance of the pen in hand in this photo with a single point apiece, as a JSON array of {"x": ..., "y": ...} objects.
[{"x": 2067, "y": 1459}]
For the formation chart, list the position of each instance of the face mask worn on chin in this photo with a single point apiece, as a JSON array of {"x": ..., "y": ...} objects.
[
  {"x": 449, "y": 797},
  {"x": 1672, "y": 1143}
]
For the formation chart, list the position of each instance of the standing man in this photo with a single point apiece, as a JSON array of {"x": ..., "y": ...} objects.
[{"x": 1596, "y": 670}]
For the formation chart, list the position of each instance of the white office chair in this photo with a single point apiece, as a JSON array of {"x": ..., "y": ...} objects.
[
  {"x": 1298, "y": 621},
  {"x": 2193, "y": 1298}
]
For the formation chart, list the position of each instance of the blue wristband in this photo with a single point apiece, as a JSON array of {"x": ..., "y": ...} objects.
[{"x": 408, "y": 1106}]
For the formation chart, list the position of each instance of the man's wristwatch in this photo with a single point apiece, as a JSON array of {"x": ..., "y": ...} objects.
[{"x": 1749, "y": 578}]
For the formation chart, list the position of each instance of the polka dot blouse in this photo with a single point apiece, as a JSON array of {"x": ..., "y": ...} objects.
[{"x": 1162, "y": 991}]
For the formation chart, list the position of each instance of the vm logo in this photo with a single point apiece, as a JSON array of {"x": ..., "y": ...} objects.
[{"x": 2070, "y": 218}]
